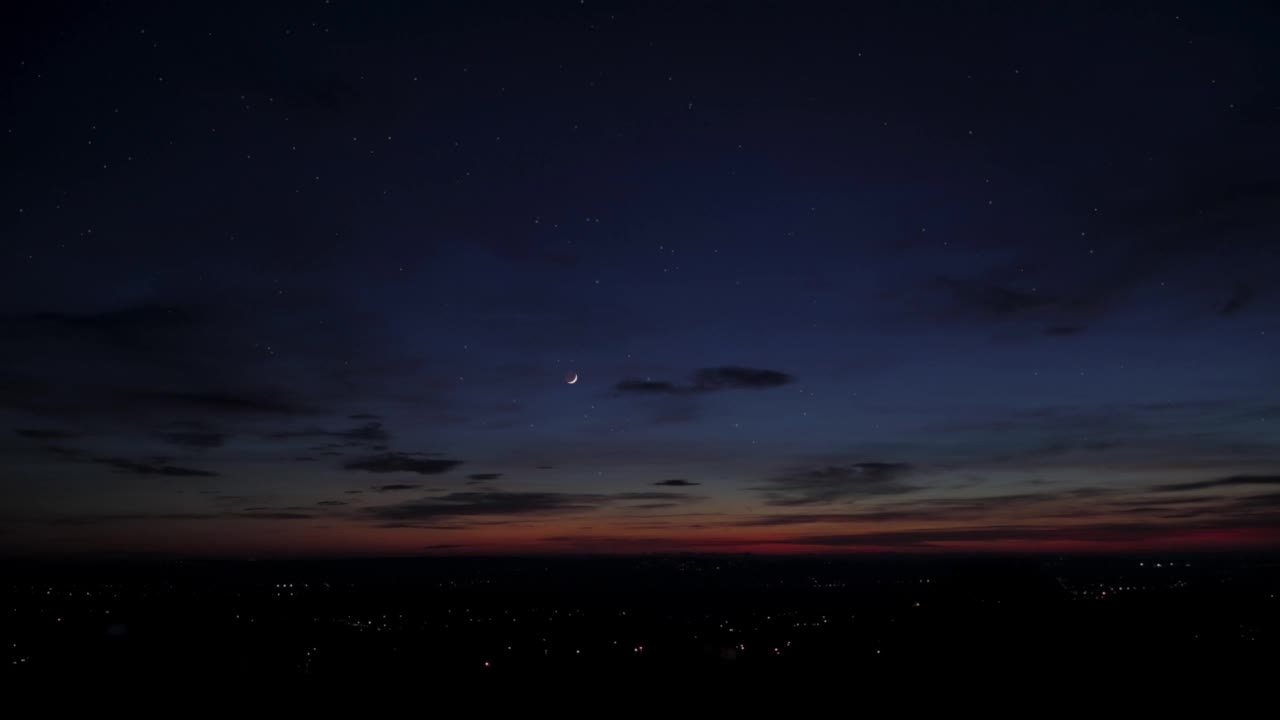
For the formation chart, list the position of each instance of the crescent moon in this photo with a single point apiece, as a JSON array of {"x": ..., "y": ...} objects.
[{"x": 571, "y": 378}]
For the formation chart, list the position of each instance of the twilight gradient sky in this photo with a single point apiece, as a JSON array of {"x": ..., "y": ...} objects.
[{"x": 308, "y": 277}]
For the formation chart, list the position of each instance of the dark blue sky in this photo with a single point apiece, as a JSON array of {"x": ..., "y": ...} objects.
[{"x": 309, "y": 277}]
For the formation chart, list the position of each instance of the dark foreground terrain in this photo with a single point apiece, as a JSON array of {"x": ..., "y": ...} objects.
[{"x": 380, "y": 619}]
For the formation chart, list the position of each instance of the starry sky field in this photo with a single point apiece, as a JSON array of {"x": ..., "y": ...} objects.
[{"x": 311, "y": 277}]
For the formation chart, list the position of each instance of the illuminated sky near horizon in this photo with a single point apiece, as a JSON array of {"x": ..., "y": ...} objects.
[{"x": 309, "y": 278}]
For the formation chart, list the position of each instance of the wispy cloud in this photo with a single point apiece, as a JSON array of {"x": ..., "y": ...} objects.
[
  {"x": 1231, "y": 481},
  {"x": 1030, "y": 535},
  {"x": 1241, "y": 296},
  {"x": 138, "y": 467},
  {"x": 370, "y": 432},
  {"x": 729, "y": 377},
  {"x": 391, "y": 462},
  {"x": 467, "y": 504},
  {"x": 503, "y": 504},
  {"x": 39, "y": 434},
  {"x": 836, "y": 482}
]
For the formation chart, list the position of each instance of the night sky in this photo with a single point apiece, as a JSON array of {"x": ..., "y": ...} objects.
[{"x": 312, "y": 277}]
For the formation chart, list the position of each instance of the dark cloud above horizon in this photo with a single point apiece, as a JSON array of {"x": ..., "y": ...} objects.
[
  {"x": 502, "y": 503},
  {"x": 466, "y": 504},
  {"x": 392, "y": 462},
  {"x": 157, "y": 466},
  {"x": 369, "y": 433},
  {"x": 676, "y": 482},
  {"x": 1241, "y": 296},
  {"x": 271, "y": 515},
  {"x": 958, "y": 507},
  {"x": 43, "y": 434},
  {"x": 666, "y": 496},
  {"x": 1231, "y": 481},
  {"x": 710, "y": 380},
  {"x": 834, "y": 483},
  {"x": 1101, "y": 534}
]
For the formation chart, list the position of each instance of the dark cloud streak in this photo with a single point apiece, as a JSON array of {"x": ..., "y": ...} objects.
[
  {"x": 401, "y": 462},
  {"x": 706, "y": 380},
  {"x": 149, "y": 468},
  {"x": 1231, "y": 481},
  {"x": 834, "y": 483}
]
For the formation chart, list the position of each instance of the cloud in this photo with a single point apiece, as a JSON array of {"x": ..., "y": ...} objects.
[
  {"x": 416, "y": 526},
  {"x": 353, "y": 492},
  {"x": 196, "y": 439},
  {"x": 930, "y": 510},
  {"x": 1209, "y": 222},
  {"x": 143, "y": 365},
  {"x": 467, "y": 504},
  {"x": 1232, "y": 481},
  {"x": 401, "y": 462},
  {"x": 1240, "y": 297},
  {"x": 107, "y": 518},
  {"x": 262, "y": 403},
  {"x": 836, "y": 482},
  {"x": 729, "y": 377},
  {"x": 132, "y": 325},
  {"x": 370, "y": 432},
  {"x": 656, "y": 496},
  {"x": 617, "y": 543},
  {"x": 364, "y": 416},
  {"x": 57, "y": 392},
  {"x": 34, "y": 434},
  {"x": 443, "y": 546},
  {"x": 394, "y": 487},
  {"x": 272, "y": 515},
  {"x": 152, "y": 468},
  {"x": 331, "y": 503},
  {"x": 1024, "y": 509},
  {"x": 1139, "y": 437},
  {"x": 1268, "y": 502},
  {"x": 502, "y": 503},
  {"x": 676, "y": 482},
  {"x": 1021, "y": 535},
  {"x": 484, "y": 476},
  {"x": 992, "y": 300}
]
